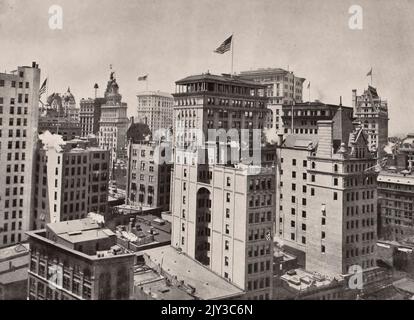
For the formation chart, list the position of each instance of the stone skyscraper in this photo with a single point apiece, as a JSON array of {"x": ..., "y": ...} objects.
[
  {"x": 19, "y": 112},
  {"x": 222, "y": 210}
]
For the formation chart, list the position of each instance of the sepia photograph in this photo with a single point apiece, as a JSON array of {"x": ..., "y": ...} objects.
[{"x": 214, "y": 150}]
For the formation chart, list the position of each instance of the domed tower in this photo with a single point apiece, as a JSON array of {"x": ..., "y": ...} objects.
[
  {"x": 111, "y": 93},
  {"x": 69, "y": 105}
]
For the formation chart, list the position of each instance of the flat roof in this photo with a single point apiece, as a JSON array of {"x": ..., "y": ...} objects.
[
  {"x": 155, "y": 93},
  {"x": 396, "y": 177},
  {"x": 208, "y": 285},
  {"x": 73, "y": 225},
  {"x": 86, "y": 235},
  {"x": 13, "y": 251},
  {"x": 157, "y": 287},
  {"x": 303, "y": 280},
  {"x": 220, "y": 78}
]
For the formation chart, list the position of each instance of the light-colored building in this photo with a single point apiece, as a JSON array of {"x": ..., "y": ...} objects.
[
  {"x": 19, "y": 113},
  {"x": 71, "y": 180},
  {"x": 78, "y": 260},
  {"x": 114, "y": 122},
  {"x": 282, "y": 86},
  {"x": 326, "y": 196},
  {"x": 372, "y": 112},
  {"x": 155, "y": 109},
  {"x": 148, "y": 181},
  {"x": 396, "y": 201},
  {"x": 223, "y": 211}
]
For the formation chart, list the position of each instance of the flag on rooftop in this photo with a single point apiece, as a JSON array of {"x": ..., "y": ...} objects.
[
  {"x": 42, "y": 89},
  {"x": 143, "y": 78},
  {"x": 369, "y": 73},
  {"x": 225, "y": 46}
]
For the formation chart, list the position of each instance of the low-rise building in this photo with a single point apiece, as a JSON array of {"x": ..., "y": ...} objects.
[
  {"x": 14, "y": 262},
  {"x": 78, "y": 260}
]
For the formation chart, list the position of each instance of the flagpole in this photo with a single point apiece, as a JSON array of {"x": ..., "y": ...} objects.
[
  {"x": 309, "y": 92},
  {"x": 371, "y": 76},
  {"x": 232, "y": 52}
]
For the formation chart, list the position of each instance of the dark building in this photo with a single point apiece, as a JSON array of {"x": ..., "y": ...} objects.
[{"x": 90, "y": 113}]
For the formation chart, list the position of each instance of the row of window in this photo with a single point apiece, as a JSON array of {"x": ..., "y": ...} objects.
[{"x": 13, "y": 84}]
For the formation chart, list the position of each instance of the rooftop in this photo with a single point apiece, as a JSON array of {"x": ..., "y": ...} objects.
[
  {"x": 157, "y": 286},
  {"x": 301, "y": 280},
  {"x": 208, "y": 285},
  {"x": 73, "y": 225},
  {"x": 218, "y": 78},
  {"x": 402, "y": 177},
  {"x": 155, "y": 93},
  {"x": 86, "y": 235},
  {"x": 13, "y": 251}
]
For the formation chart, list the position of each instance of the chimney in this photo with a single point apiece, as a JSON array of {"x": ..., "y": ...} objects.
[
  {"x": 132, "y": 120},
  {"x": 325, "y": 136},
  {"x": 279, "y": 139},
  {"x": 354, "y": 94},
  {"x": 34, "y": 64}
]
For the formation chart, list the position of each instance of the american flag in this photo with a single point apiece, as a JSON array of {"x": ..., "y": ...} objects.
[
  {"x": 225, "y": 46},
  {"x": 42, "y": 89}
]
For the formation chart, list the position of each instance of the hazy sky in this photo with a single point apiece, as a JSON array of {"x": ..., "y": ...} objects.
[{"x": 170, "y": 39}]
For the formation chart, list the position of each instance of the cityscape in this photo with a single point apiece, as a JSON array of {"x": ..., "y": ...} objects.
[{"x": 242, "y": 183}]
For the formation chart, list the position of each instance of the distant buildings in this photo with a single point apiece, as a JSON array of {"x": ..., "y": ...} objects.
[
  {"x": 155, "y": 108},
  {"x": 70, "y": 180},
  {"x": 282, "y": 86},
  {"x": 223, "y": 212},
  {"x": 55, "y": 124},
  {"x": 372, "y": 112},
  {"x": 148, "y": 180},
  {"x": 69, "y": 106},
  {"x": 326, "y": 195},
  {"x": 14, "y": 262},
  {"x": 114, "y": 123},
  {"x": 19, "y": 98},
  {"x": 78, "y": 260},
  {"x": 89, "y": 115},
  {"x": 406, "y": 148}
]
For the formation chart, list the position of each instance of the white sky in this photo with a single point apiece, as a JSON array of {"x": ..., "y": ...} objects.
[{"x": 170, "y": 39}]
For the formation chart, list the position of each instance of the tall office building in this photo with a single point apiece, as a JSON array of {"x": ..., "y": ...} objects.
[
  {"x": 396, "y": 201},
  {"x": 372, "y": 112},
  {"x": 148, "y": 180},
  {"x": 155, "y": 109},
  {"x": 222, "y": 210},
  {"x": 78, "y": 260},
  {"x": 19, "y": 112},
  {"x": 326, "y": 195},
  {"x": 282, "y": 87},
  {"x": 71, "y": 180},
  {"x": 89, "y": 115},
  {"x": 114, "y": 122}
]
